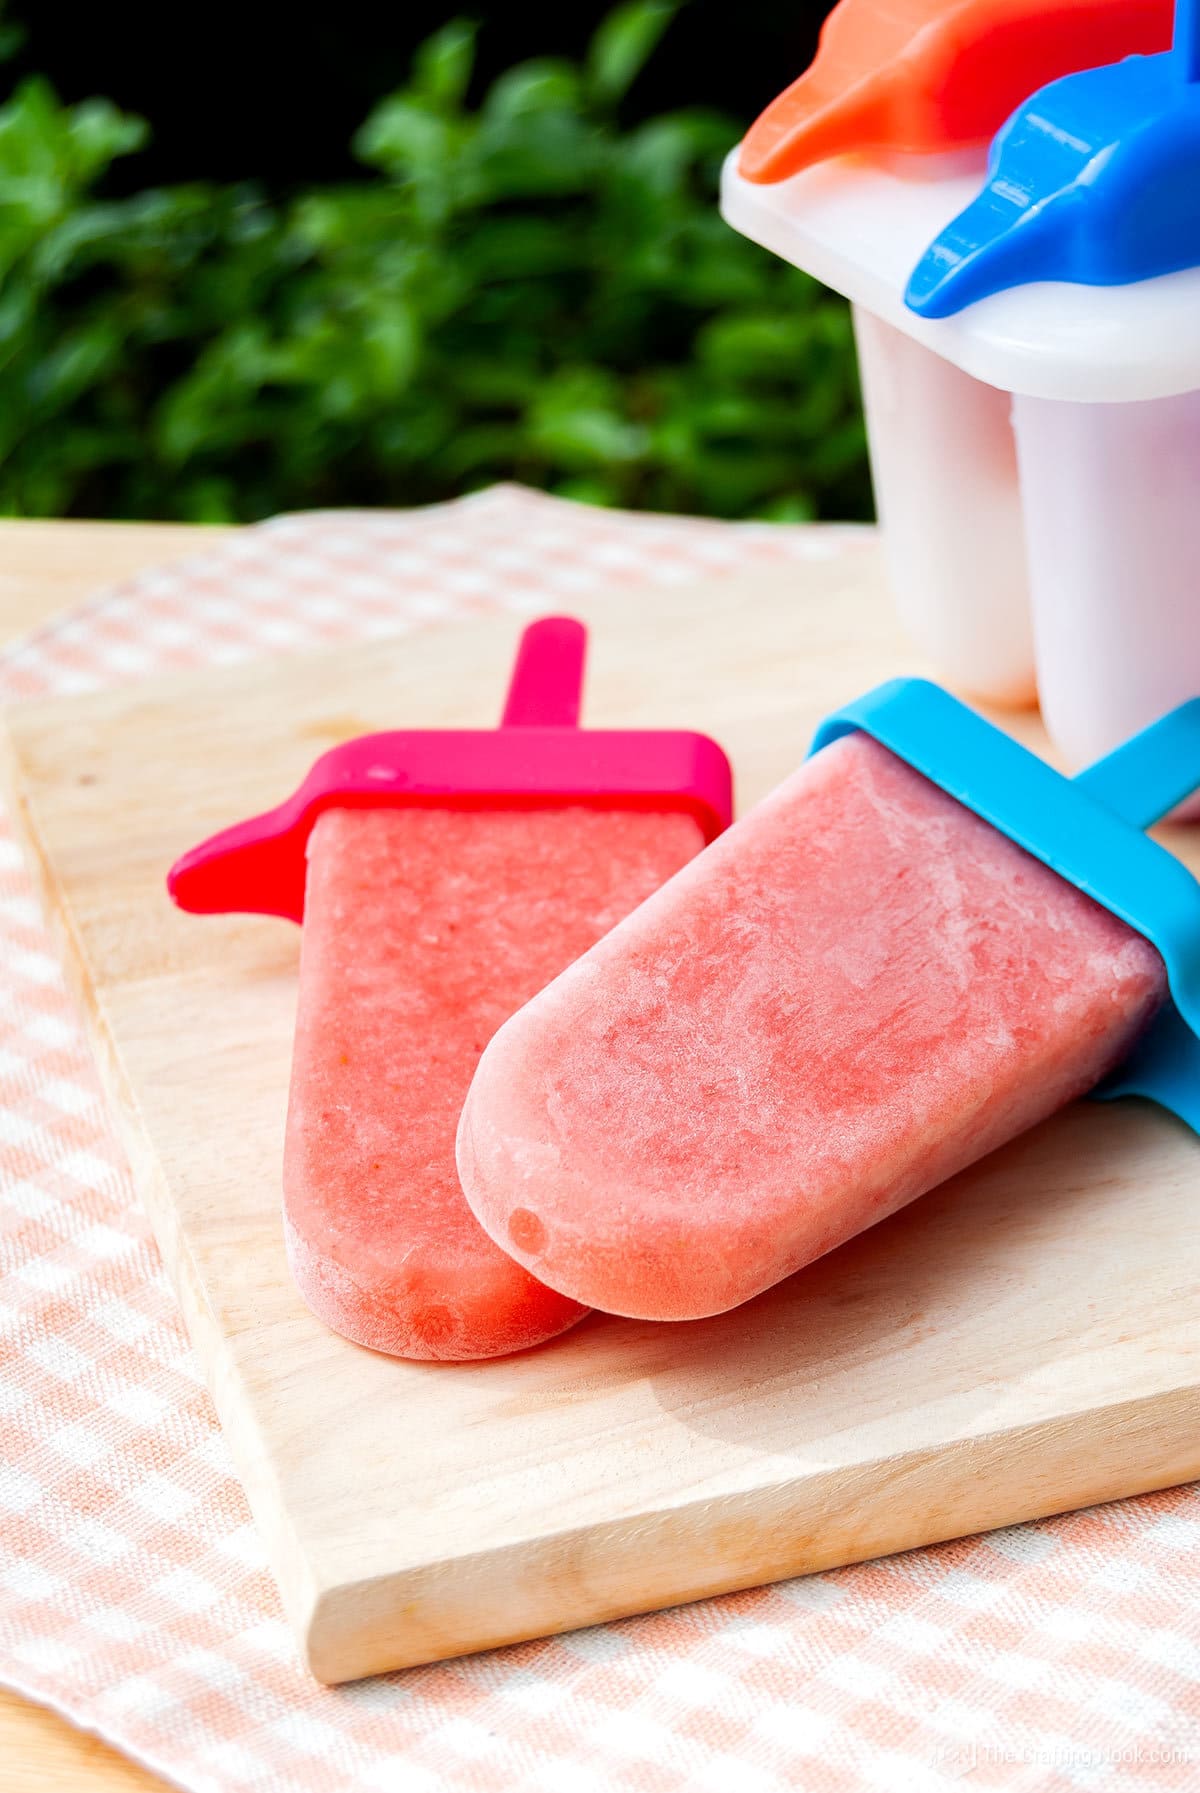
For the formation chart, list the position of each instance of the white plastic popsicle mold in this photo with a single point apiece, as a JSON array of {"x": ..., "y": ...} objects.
[{"x": 1036, "y": 457}]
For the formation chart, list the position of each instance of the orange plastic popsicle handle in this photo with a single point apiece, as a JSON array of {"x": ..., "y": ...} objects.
[{"x": 923, "y": 77}]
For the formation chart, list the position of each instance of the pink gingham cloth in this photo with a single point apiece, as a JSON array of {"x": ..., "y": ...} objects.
[{"x": 134, "y": 1595}]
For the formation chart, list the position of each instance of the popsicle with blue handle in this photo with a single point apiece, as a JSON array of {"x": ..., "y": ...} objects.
[{"x": 922, "y": 943}]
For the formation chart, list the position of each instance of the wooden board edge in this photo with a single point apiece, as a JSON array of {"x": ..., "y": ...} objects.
[
  {"x": 293, "y": 1572},
  {"x": 698, "y": 1549}
]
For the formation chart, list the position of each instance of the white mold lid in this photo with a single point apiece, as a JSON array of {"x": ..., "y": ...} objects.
[{"x": 862, "y": 229}]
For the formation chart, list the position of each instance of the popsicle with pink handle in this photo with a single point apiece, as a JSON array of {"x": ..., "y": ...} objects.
[
  {"x": 449, "y": 876},
  {"x": 864, "y": 985}
]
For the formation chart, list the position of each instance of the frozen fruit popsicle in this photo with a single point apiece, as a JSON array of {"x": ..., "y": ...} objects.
[
  {"x": 424, "y": 929},
  {"x": 856, "y": 991},
  {"x": 492, "y": 861}
]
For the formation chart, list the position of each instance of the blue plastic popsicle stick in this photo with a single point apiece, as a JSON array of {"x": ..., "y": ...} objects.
[
  {"x": 1095, "y": 179},
  {"x": 1146, "y": 777},
  {"x": 1088, "y": 829},
  {"x": 1143, "y": 780}
]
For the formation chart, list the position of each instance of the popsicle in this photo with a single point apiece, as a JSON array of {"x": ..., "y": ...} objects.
[
  {"x": 935, "y": 77},
  {"x": 449, "y": 876},
  {"x": 859, "y": 989}
]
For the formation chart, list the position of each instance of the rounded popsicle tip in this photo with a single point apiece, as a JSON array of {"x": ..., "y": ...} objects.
[
  {"x": 422, "y": 1316},
  {"x": 576, "y": 1225},
  {"x": 590, "y": 1152}
]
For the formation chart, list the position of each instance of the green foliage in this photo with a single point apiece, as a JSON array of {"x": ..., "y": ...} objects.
[{"x": 517, "y": 288}]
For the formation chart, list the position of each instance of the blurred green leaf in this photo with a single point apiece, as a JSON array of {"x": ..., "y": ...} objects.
[
  {"x": 442, "y": 66},
  {"x": 515, "y": 287},
  {"x": 622, "y": 46},
  {"x": 403, "y": 136},
  {"x": 577, "y": 421}
]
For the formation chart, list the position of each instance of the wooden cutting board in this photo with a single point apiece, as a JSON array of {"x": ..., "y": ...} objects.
[{"x": 1022, "y": 1341}]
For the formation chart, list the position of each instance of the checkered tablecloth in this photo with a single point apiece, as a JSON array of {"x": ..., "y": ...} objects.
[{"x": 133, "y": 1591}]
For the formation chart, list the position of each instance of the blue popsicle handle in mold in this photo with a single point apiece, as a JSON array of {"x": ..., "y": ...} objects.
[
  {"x": 1186, "y": 45},
  {"x": 1088, "y": 829},
  {"x": 1095, "y": 179}
]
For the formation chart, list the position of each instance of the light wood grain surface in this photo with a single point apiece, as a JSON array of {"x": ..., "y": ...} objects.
[
  {"x": 45, "y": 569},
  {"x": 1019, "y": 1342}
]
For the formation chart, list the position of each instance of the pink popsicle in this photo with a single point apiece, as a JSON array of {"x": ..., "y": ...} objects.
[
  {"x": 443, "y": 877},
  {"x": 424, "y": 930},
  {"x": 859, "y": 989}
]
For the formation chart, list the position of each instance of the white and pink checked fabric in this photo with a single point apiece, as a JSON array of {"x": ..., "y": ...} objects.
[{"x": 133, "y": 1591}]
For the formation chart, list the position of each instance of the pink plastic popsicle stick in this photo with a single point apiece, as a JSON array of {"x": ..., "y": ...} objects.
[
  {"x": 546, "y": 686},
  {"x": 258, "y": 866}
]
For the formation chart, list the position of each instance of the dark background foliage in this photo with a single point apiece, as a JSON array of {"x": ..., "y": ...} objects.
[
  {"x": 282, "y": 265},
  {"x": 241, "y": 90}
]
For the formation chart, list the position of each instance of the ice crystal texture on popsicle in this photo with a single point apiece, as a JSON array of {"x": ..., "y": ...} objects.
[
  {"x": 855, "y": 992},
  {"x": 424, "y": 930}
]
